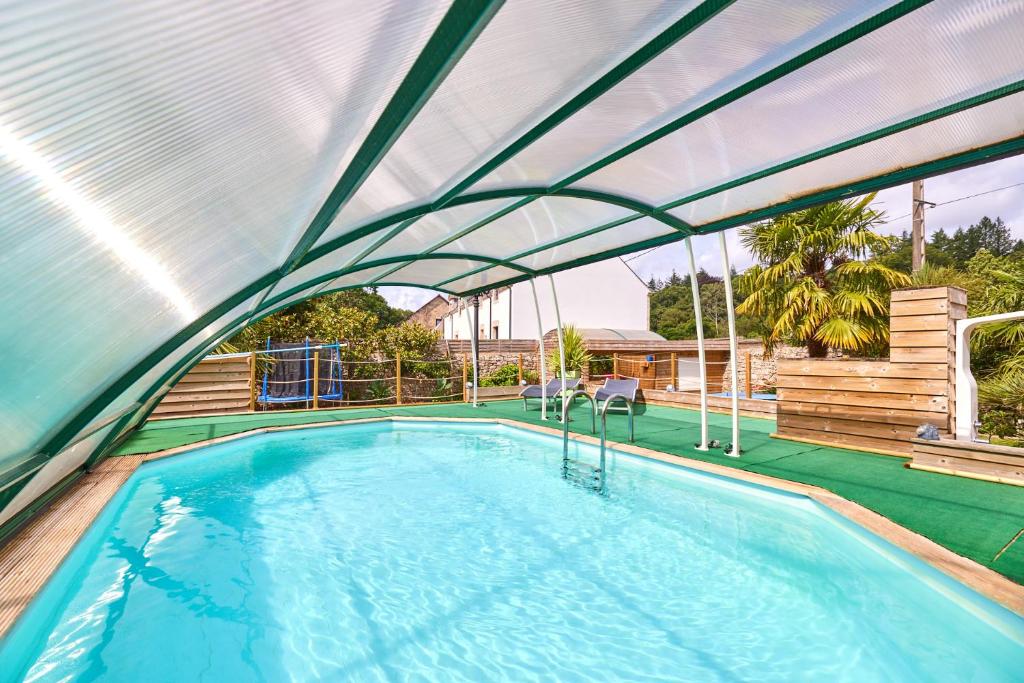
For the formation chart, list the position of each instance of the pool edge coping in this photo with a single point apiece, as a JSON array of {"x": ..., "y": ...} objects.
[{"x": 34, "y": 553}]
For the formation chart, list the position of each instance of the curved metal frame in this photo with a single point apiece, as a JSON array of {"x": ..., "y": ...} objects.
[
  {"x": 460, "y": 27},
  {"x": 966, "y": 413},
  {"x": 730, "y": 309},
  {"x": 701, "y": 356}
]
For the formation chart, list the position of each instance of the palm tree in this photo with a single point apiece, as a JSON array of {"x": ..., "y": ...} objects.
[{"x": 814, "y": 284}]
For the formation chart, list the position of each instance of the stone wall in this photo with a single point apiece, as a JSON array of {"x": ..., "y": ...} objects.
[{"x": 492, "y": 360}]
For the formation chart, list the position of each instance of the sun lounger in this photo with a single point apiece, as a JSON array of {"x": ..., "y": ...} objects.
[
  {"x": 625, "y": 387},
  {"x": 553, "y": 389}
]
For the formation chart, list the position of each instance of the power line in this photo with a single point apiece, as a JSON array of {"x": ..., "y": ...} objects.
[
  {"x": 644, "y": 253},
  {"x": 960, "y": 199},
  {"x": 890, "y": 220}
]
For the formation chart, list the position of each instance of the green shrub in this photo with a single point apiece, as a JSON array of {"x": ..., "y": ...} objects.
[
  {"x": 505, "y": 376},
  {"x": 379, "y": 391},
  {"x": 601, "y": 365},
  {"x": 443, "y": 390}
]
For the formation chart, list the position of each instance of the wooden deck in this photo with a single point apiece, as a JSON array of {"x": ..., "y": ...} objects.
[
  {"x": 989, "y": 462},
  {"x": 29, "y": 559}
]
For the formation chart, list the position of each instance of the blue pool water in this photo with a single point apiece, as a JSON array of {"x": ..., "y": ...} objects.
[{"x": 457, "y": 552}]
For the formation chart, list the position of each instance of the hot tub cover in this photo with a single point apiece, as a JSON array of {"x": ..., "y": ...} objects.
[{"x": 171, "y": 170}]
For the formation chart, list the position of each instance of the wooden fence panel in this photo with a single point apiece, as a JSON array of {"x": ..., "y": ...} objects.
[
  {"x": 213, "y": 387},
  {"x": 879, "y": 405}
]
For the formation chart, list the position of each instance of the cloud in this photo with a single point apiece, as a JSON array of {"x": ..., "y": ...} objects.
[{"x": 409, "y": 298}]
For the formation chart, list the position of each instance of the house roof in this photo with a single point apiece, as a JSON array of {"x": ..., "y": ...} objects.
[
  {"x": 603, "y": 333},
  {"x": 253, "y": 158},
  {"x": 437, "y": 300}
]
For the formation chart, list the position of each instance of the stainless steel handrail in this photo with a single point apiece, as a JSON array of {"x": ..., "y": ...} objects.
[
  {"x": 566, "y": 404},
  {"x": 604, "y": 428}
]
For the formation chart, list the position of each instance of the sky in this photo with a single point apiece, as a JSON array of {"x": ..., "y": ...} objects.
[{"x": 957, "y": 189}]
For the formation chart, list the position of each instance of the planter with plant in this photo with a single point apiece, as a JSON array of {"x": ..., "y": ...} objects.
[{"x": 576, "y": 355}]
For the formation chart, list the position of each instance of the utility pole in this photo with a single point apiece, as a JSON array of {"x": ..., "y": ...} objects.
[{"x": 917, "y": 229}]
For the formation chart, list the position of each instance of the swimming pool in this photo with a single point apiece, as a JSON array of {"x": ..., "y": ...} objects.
[{"x": 456, "y": 551}]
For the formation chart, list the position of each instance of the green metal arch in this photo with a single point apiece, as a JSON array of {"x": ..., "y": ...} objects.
[
  {"x": 58, "y": 439},
  {"x": 530, "y": 193},
  {"x": 459, "y": 28},
  {"x": 278, "y": 303}
]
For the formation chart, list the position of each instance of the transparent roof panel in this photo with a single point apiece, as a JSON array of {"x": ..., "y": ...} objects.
[
  {"x": 432, "y": 271},
  {"x": 1000, "y": 120},
  {"x": 344, "y": 257},
  {"x": 643, "y": 228},
  {"x": 360, "y": 277},
  {"x": 533, "y": 56},
  {"x": 864, "y": 94},
  {"x": 433, "y": 228},
  {"x": 484, "y": 278},
  {"x": 169, "y": 157},
  {"x": 540, "y": 221},
  {"x": 681, "y": 79}
]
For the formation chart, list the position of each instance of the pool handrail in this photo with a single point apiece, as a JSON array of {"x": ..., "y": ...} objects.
[
  {"x": 566, "y": 404},
  {"x": 604, "y": 429}
]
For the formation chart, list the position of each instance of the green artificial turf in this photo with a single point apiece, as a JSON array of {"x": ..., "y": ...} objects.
[{"x": 973, "y": 518}]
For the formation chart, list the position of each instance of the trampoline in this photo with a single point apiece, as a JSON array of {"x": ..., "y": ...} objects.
[{"x": 290, "y": 376}]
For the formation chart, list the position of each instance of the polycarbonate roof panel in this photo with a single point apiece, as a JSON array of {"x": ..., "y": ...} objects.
[
  {"x": 432, "y": 271},
  {"x": 541, "y": 221},
  {"x": 342, "y": 258},
  {"x": 681, "y": 79},
  {"x": 533, "y": 56},
  {"x": 297, "y": 292},
  {"x": 361, "y": 276},
  {"x": 434, "y": 228},
  {"x": 1003, "y": 119},
  {"x": 484, "y": 278},
  {"x": 162, "y": 165},
  {"x": 863, "y": 90},
  {"x": 643, "y": 228},
  {"x": 168, "y": 156}
]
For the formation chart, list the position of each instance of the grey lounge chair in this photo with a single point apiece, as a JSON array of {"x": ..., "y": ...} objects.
[
  {"x": 626, "y": 387},
  {"x": 553, "y": 389}
]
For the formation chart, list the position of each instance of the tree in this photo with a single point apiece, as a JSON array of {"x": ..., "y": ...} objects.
[
  {"x": 991, "y": 235},
  {"x": 705, "y": 278},
  {"x": 813, "y": 284},
  {"x": 652, "y": 284},
  {"x": 672, "y": 310},
  {"x": 355, "y": 315},
  {"x": 899, "y": 254}
]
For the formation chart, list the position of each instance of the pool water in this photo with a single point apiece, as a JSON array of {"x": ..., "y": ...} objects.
[{"x": 456, "y": 551}]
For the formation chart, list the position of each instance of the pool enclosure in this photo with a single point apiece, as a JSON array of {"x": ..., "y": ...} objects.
[{"x": 172, "y": 171}]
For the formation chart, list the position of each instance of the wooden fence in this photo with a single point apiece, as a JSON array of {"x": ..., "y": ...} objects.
[
  {"x": 879, "y": 405},
  {"x": 213, "y": 387}
]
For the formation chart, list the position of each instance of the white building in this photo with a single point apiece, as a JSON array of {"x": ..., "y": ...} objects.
[{"x": 598, "y": 295}]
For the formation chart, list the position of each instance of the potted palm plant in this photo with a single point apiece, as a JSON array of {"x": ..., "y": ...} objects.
[{"x": 576, "y": 355}]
